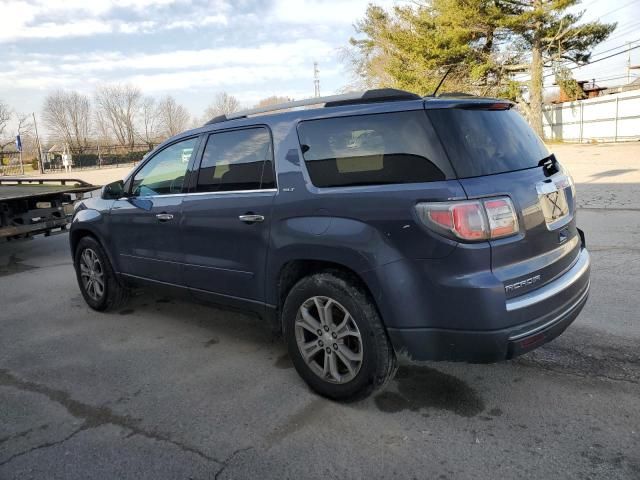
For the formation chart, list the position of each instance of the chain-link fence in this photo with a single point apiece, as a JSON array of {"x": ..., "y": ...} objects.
[
  {"x": 10, "y": 163},
  {"x": 98, "y": 157}
]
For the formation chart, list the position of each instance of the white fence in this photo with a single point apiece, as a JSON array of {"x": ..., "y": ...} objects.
[{"x": 610, "y": 118}]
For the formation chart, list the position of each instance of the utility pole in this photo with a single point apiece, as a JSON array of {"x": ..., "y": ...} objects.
[
  {"x": 536, "y": 70},
  {"x": 35, "y": 126},
  {"x": 316, "y": 80},
  {"x": 628, "y": 62}
]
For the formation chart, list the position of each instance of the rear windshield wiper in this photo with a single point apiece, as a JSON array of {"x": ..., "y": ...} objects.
[{"x": 549, "y": 164}]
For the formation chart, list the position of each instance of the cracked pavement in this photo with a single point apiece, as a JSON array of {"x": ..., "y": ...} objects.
[{"x": 165, "y": 389}]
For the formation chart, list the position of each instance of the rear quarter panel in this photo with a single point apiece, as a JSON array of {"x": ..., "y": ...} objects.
[{"x": 361, "y": 227}]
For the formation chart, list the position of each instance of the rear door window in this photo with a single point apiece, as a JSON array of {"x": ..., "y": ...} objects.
[
  {"x": 398, "y": 147},
  {"x": 484, "y": 142},
  {"x": 237, "y": 160}
]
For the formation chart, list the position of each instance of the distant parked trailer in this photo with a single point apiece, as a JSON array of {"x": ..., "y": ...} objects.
[{"x": 32, "y": 206}]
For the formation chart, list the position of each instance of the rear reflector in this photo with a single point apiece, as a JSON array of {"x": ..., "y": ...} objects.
[
  {"x": 528, "y": 342},
  {"x": 472, "y": 220}
]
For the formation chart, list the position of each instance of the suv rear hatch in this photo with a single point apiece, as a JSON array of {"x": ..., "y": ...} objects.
[{"x": 495, "y": 153}]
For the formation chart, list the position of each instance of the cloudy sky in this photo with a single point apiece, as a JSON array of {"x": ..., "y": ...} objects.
[
  {"x": 195, "y": 48},
  {"x": 188, "y": 48}
]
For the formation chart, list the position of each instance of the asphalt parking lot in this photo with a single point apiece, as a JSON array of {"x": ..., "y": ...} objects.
[{"x": 167, "y": 389}]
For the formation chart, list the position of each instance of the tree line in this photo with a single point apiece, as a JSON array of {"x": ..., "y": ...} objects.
[{"x": 115, "y": 115}]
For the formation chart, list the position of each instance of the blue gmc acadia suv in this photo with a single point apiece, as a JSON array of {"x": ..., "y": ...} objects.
[{"x": 365, "y": 226}]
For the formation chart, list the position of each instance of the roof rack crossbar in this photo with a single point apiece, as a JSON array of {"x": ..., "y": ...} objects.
[{"x": 352, "y": 98}]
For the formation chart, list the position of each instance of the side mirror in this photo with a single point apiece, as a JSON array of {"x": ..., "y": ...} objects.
[{"x": 113, "y": 190}]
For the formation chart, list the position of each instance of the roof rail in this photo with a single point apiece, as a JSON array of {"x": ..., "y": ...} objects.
[{"x": 352, "y": 98}]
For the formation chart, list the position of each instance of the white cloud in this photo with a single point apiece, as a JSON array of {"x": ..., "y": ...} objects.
[
  {"x": 119, "y": 63},
  {"x": 218, "y": 19},
  {"x": 292, "y": 53},
  {"x": 136, "y": 27},
  {"x": 75, "y": 18},
  {"x": 77, "y": 28},
  {"x": 319, "y": 12},
  {"x": 176, "y": 70}
]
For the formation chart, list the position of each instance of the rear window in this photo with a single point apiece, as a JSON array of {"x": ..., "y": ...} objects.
[
  {"x": 237, "y": 160},
  {"x": 386, "y": 148},
  {"x": 484, "y": 142}
]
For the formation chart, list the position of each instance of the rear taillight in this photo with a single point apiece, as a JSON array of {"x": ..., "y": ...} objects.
[
  {"x": 502, "y": 217},
  {"x": 471, "y": 220}
]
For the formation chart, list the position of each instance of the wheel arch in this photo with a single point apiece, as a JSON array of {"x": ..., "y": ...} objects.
[
  {"x": 292, "y": 271},
  {"x": 78, "y": 233}
]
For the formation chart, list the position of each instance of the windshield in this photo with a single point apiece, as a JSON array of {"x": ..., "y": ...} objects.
[{"x": 485, "y": 142}]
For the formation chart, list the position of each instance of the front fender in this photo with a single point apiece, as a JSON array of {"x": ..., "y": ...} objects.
[{"x": 93, "y": 221}]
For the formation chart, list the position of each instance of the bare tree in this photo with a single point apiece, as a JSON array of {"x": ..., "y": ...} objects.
[
  {"x": 68, "y": 115},
  {"x": 25, "y": 127},
  {"x": 119, "y": 106},
  {"x": 273, "y": 100},
  {"x": 223, "y": 104},
  {"x": 102, "y": 129},
  {"x": 5, "y": 117},
  {"x": 173, "y": 117},
  {"x": 149, "y": 124}
]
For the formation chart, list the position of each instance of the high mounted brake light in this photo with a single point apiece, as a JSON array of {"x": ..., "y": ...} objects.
[
  {"x": 471, "y": 220},
  {"x": 486, "y": 106},
  {"x": 499, "y": 106}
]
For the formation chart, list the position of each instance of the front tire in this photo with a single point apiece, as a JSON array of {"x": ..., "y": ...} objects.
[
  {"x": 335, "y": 337},
  {"x": 98, "y": 283}
]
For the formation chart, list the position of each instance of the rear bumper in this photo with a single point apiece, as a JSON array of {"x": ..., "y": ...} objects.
[{"x": 547, "y": 312}]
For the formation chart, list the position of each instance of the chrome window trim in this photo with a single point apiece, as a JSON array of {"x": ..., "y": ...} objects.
[
  {"x": 553, "y": 288},
  {"x": 189, "y": 194}
]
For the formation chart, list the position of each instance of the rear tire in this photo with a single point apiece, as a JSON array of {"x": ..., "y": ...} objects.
[
  {"x": 98, "y": 283},
  {"x": 347, "y": 355}
]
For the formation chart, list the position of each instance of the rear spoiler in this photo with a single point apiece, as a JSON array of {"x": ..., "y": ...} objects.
[{"x": 468, "y": 102}]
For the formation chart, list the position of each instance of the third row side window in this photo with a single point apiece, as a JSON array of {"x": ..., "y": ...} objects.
[
  {"x": 397, "y": 147},
  {"x": 237, "y": 160}
]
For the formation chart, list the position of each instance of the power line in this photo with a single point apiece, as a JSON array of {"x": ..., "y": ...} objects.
[
  {"x": 597, "y": 60},
  {"x": 567, "y": 62},
  {"x": 619, "y": 46},
  {"x": 617, "y": 9},
  {"x": 625, "y": 31},
  {"x": 617, "y": 77}
]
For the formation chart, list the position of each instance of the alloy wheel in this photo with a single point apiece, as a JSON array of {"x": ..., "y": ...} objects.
[
  {"x": 329, "y": 339},
  {"x": 92, "y": 274}
]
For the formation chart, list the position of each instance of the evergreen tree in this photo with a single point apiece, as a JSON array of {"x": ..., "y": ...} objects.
[
  {"x": 484, "y": 42},
  {"x": 553, "y": 36}
]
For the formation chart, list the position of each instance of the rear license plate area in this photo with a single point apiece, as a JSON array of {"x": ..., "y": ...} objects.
[{"x": 554, "y": 204}]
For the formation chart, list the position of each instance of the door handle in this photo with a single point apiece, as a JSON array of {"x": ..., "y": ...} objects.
[
  {"x": 251, "y": 218},
  {"x": 164, "y": 217}
]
